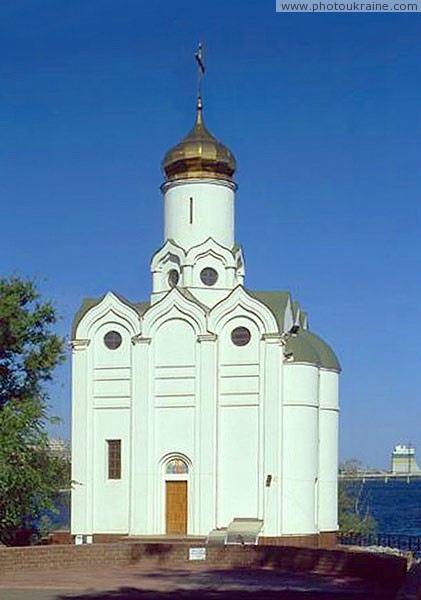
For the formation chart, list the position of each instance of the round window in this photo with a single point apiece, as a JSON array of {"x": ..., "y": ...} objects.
[
  {"x": 173, "y": 277},
  {"x": 209, "y": 276},
  {"x": 112, "y": 340},
  {"x": 240, "y": 336}
]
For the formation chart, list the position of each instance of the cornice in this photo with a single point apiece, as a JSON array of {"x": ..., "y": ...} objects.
[
  {"x": 207, "y": 337},
  {"x": 138, "y": 339},
  {"x": 79, "y": 344}
]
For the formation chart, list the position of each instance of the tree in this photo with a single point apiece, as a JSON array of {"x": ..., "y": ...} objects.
[
  {"x": 30, "y": 476},
  {"x": 353, "y": 511},
  {"x": 351, "y": 466}
]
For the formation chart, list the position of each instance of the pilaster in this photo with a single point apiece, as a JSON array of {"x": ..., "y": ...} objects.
[
  {"x": 140, "y": 514},
  {"x": 81, "y": 495},
  {"x": 206, "y": 419},
  {"x": 231, "y": 271},
  {"x": 187, "y": 275},
  {"x": 272, "y": 422}
]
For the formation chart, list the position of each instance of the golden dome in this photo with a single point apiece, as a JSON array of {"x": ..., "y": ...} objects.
[{"x": 199, "y": 155}]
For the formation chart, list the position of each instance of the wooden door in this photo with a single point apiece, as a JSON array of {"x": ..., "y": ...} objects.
[{"x": 176, "y": 506}]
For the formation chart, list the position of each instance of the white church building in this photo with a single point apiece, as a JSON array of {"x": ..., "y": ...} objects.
[{"x": 210, "y": 409}]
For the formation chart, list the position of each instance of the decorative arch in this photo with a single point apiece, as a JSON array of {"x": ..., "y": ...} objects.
[
  {"x": 240, "y": 303},
  {"x": 111, "y": 309},
  {"x": 211, "y": 248},
  {"x": 176, "y": 459},
  {"x": 174, "y": 305},
  {"x": 164, "y": 253}
]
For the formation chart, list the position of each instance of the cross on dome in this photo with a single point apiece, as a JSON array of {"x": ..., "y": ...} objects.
[{"x": 199, "y": 154}]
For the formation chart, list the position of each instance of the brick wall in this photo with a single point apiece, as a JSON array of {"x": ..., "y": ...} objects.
[
  {"x": 387, "y": 570},
  {"x": 35, "y": 557},
  {"x": 302, "y": 541}
]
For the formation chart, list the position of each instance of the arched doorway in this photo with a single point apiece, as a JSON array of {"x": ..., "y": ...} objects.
[{"x": 176, "y": 496}]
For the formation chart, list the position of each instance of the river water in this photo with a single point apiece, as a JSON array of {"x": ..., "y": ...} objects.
[{"x": 395, "y": 505}]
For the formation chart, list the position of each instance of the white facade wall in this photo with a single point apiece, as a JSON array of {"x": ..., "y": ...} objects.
[
  {"x": 300, "y": 449},
  {"x": 239, "y": 420},
  {"x": 110, "y": 372},
  {"x": 328, "y": 450},
  {"x": 235, "y": 414},
  {"x": 173, "y": 428},
  {"x": 212, "y": 212},
  {"x": 111, "y": 496},
  {"x": 101, "y": 399}
]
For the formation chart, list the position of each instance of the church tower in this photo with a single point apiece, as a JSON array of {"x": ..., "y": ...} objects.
[{"x": 199, "y": 252}]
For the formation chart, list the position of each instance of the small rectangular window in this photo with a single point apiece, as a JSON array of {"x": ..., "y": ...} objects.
[
  {"x": 191, "y": 211},
  {"x": 114, "y": 459}
]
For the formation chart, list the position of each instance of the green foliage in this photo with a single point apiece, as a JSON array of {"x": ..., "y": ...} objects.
[
  {"x": 30, "y": 476},
  {"x": 351, "y": 466},
  {"x": 353, "y": 511}
]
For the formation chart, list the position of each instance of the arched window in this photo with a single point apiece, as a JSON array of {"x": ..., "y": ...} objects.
[{"x": 176, "y": 466}]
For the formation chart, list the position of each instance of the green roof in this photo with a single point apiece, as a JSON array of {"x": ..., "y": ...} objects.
[
  {"x": 307, "y": 347},
  {"x": 277, "y": 303},
  {"x": 302, "y": 350},
  {"x": 88, "y": 303},
  {"x": 328, "y": 358}
]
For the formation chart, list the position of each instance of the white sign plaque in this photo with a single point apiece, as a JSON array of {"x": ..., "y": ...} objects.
[{"x": 197, "y": 553}]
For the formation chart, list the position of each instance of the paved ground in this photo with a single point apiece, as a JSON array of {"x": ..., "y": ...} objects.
[{"x": 196, "y": 583}]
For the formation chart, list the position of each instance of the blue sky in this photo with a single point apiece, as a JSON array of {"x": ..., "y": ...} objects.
[{"x": 323, "y": 113}]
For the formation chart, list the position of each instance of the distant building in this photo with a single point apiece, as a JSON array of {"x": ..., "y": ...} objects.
[
  {"x": 403, "y": 460},
  {"x": 208, "y": 409},
  {"x": 59, "y": 447}
]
